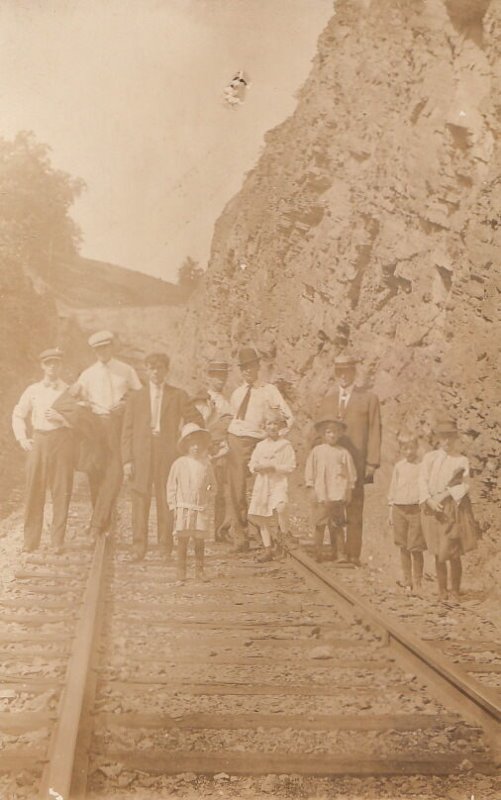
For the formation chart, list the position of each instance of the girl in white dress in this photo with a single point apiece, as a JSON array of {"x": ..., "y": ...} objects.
[
  {"x": 190, "y": 482},
  {"x": 271, "y": 461},
  {"x": 448, "y": 523}
]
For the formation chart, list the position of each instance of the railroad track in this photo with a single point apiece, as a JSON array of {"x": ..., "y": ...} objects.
[{"x": 275, "y": 668}]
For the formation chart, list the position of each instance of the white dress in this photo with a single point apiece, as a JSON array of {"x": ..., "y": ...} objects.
[
  {"x": 189, "y": 485},
  {"x": 271, "y": 488}
]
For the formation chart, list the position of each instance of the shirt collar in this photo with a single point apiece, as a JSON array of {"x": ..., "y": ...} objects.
[
  {"x": 347, "y": 390},
  {"x": 51, "y": 384},
  {"x": 155, "y": 388}
]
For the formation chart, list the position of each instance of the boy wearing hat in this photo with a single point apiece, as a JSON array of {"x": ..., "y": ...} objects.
[
  {"x": 360, "y": 412},
  {"x": 189, "y": 485},
  {"x": 152, "y": 420},
  {"x": 449, "y": 526},
  {"x": 330, "y": 475},
  {"x": 105, "y": 386},
  {"x": 250, "y": 404},
  {"x": 43, "y": 433}
]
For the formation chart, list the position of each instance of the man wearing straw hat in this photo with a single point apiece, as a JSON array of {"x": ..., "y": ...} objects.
[
  {"x": 45, "y": 436},
  {"x": 360, "y": 412},
  {"x": 250, "y": 403}
]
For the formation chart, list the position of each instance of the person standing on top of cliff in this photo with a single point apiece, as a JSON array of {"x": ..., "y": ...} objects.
[
  {"x": 150, "y": 431},
  {"x": 47, "y": 439},
  {"x": 360, "y": 412},
  {"x": 217, "y": 414},
  {"x": 250, "y": 403},
  {"x": 105, "y": 386}
]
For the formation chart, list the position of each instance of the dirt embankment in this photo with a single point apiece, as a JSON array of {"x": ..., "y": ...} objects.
[{"x": 372, "y": 221}]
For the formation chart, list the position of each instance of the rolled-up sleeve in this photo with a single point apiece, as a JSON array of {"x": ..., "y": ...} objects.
[{"x": 20, "y": 414}]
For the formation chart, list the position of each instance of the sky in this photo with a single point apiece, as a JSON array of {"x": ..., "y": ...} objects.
[{"x": 128, "y": 93}]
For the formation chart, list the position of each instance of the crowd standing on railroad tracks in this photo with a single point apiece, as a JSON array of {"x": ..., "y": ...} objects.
[{"x": 197, "y": 454}]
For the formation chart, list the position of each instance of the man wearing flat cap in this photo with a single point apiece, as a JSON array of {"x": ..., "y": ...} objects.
[
  {"x": 105, "y": 387},
  {"x": 360, "y": 412},
  {"x": 250, "y": 403},
  {"x": 44, "y": 435},
  {"x": 217, "y": 414},
  {"x": 153, "y": 418}
]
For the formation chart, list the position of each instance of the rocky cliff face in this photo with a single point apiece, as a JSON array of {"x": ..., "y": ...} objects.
[{"x": 371, "y": 221}]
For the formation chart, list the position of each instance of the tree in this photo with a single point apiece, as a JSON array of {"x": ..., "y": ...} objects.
[
  {"x": 36, "y": 232},
  {"x": 189, "y": 276}
]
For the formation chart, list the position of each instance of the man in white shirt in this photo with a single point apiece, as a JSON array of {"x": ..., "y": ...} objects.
[
  {"x": 250, "y": 404},
  {"x": 104, "y": 387},
  {"x": 44, "y": 436}
]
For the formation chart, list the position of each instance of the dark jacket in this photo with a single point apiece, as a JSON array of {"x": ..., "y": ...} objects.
[
  {"x": 363, "y": 426},
  {"x": 177, "y": 409},
  {"x": 90, "y": 455}
]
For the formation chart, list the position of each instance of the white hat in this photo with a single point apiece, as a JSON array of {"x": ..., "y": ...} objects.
[
  {"x": 101, "y": 338},
  {"x": 188, "y": 430}
]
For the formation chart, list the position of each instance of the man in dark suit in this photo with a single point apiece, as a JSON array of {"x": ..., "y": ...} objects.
[
  {"x": 360, "y": 412},
  {"x": 153, "y": 418}
]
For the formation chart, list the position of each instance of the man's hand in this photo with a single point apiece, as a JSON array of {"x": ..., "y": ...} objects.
[
  {"x": 128, "y": 471},
  {"x": 27, "y": 445},
  {"x": 370, "y": 471},
  {"x": 53, "y": 416},
  {"x": 435, "y": 504},
  {"x": 390, "y": 516}
]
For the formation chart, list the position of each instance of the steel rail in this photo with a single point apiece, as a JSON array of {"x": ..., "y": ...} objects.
[
  {"x": 57, "y": 777},
  {"x": 469, "y": 697}
]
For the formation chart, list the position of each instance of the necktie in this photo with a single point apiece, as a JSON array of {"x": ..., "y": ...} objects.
[
  {"x": 343, "y": 401},
  {"x": 244, "y": 404}
]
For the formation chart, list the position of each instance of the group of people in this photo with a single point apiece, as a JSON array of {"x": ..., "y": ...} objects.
[{"x": 196, "y": 456}]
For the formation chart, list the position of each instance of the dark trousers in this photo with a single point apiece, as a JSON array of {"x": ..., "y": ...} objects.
[
  {"x": 50, "y": 466},
  {"x": 222, "y": 522},
  {"x": 240, "y": 451},
  {"x": 141, "y": 503},
  {"x": 105, "y": 483},
  {"x": 355, "y": 514}
]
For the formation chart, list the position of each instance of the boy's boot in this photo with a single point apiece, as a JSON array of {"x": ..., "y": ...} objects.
[
  {"x": 266, "y": 555},
  {"x": 318, "y": 542},
  {"x": 199, "y": 559},
  {"x": 441, "y": 568},
  {"x": 456, "y": 572},
  {"x": 417, "y": 571},
  {"x": 342, "y": 558},
  {"x": 182, "y": 550},
  {"x": 405, "y": 560}
]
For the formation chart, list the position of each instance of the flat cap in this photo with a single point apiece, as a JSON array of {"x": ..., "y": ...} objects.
[
  {"x": 51, "y": 354},
  {"x": 100, "y": 338},
  {"x": 320, "y": 423},
  {"x": 217, "y": 366},
  {"x": 446, "y": 425},
  {"x": 346, "y": 360}
]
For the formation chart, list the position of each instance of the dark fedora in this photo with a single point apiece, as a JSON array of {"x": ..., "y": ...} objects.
[
  {"x": 247, "y": 355},
  {"x": 446, "y": 425}
]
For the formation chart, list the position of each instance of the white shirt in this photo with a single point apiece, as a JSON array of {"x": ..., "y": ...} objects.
[
  {"x": 437, "y": 470},
  {"x": 104, "y": 385},
  {"x": 214, "y": 407},
  {"x": 35, "y": 401},
  {"x": 264, "y": 398},
  {"x": 344, "y": 396},
  {"x": 156, "y": 395},
  {"x": 404, "y": 487}
]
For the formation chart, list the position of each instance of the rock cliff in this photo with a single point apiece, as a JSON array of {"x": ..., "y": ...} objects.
[{"x": 371, "y": 221}]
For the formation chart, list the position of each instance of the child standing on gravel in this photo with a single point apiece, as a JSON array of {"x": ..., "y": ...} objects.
[
  {"x": 189, "y": 485},
  {"x": 271, "y": 461},
  {"x": 331, "y": 475},
  {"x": 404, "y": 514},
  {"x": 448, "y": 523}
]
